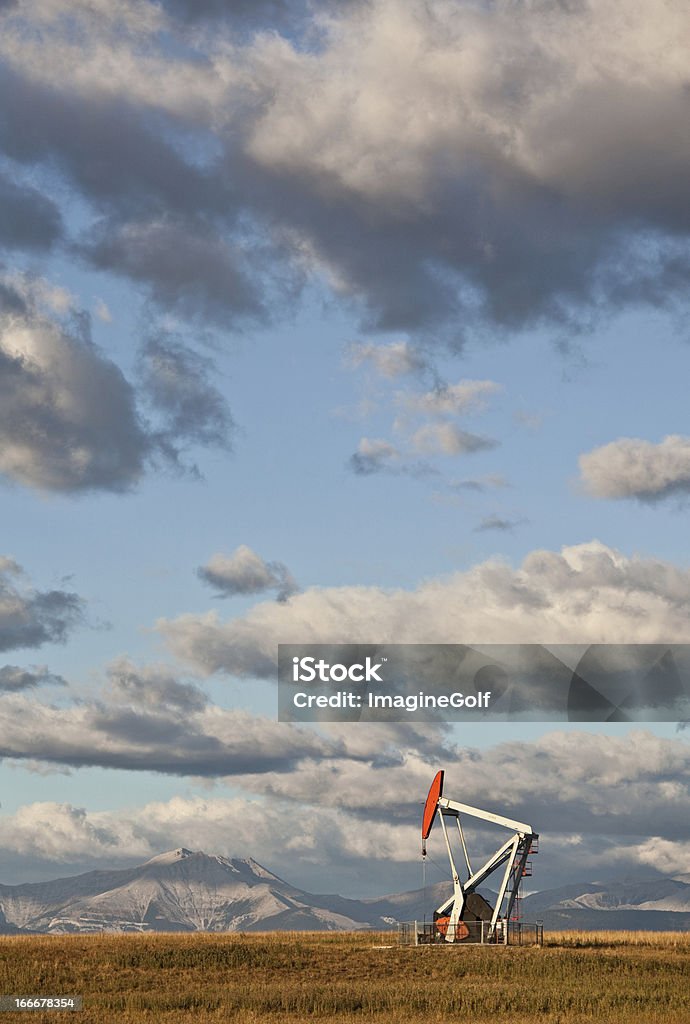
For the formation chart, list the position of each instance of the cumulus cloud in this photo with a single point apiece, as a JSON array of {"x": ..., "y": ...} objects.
[
  {"x": 633, "y": 468},
  {"x": 594, "y": 798},
  {"x": 68, "y": 417},
  {"x": 31, "y": 618},
  {"x": 152, "y": 722},
  {"x": 70, "y": 421},
  {"x": 73, "y": 835},
  {"x": 664, "y": 855},
  {"x": 586, "y": 593},
  {"x": 564, "y": 781},
  {"x": 416, "y": 112},
  {"x": 411, "y": 155},
  {"x": 245, "y": 572},
  {"x": 231, "y": 827}
]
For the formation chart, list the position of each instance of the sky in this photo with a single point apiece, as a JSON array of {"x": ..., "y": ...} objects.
[{"x": 335, "y": 322}]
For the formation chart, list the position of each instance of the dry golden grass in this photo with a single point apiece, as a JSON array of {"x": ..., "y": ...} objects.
[{"x": 285, "y": 978}]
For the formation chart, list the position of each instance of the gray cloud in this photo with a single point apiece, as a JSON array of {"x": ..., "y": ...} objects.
[
  {"x": 30, "y": 618},
  {"x": 500, "y": 523},
  {"x": 264, "y": 13},
  {"x": 10, "y": 299},
  {"x": 633, "y": 468},
  {"x": 437, "y": 199},
  {"x": 474, "y": 206},
  {"x": 68, "y": 418},
  {"x": 107, "y": 147},
  {"x": 27, "y": 218},
  {"x": 13, "y": 678},
  {"x": 152, "y": 686},
  {"x": 245, "y": 572},
  {"x": 71, "y": 422},
  {"x": 176, "y": 382},
  {"x": 575, "y": 794},
  {"x": 595, "y": 799},
  {"x": 152, "y": 722},
  {"x": 587, "y": 593},
  {"x": 190, "y": 268},
  {"x": 481, "y": 484}
]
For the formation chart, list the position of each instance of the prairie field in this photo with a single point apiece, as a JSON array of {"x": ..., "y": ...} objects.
[{"x": 285, "y": 978}]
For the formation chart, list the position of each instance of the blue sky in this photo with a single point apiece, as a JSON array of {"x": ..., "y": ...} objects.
[{"x": 326, "y": 293}]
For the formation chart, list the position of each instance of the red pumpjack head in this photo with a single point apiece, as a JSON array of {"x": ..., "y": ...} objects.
[{"x": 430, "y": 808}]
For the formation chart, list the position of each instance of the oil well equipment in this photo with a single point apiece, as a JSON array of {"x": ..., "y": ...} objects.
[{"x": 467, "y": 916}]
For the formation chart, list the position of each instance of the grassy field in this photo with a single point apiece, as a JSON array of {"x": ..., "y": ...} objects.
[{"x": 283, "y": 978}]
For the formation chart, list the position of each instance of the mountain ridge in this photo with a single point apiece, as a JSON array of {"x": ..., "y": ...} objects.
[{"x": 189, "y": 890}]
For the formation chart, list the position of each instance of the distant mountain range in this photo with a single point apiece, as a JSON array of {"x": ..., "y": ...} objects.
[
  {"x": 658, "y": 904},
  {"x": 191, "y": 891}
]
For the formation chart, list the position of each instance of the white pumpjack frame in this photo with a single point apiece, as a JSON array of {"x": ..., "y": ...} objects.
[{"x": 513, "y": 854}]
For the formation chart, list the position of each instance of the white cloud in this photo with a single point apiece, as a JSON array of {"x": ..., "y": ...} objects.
[
  {"x": 565, "y": 781},
  {"x": 633, "y": 468},
  {"x": 587, "y": 593},
  {"x": 595, "y": 800},
  {"x": 114, "y": 53},
  {"x": 444, "y": 75},
  {"x": 60, "y": 832},
  {"x": 152, "y": 722},
  {"x": 663, "y": 855},
  {"x": 411, "y": 154}
]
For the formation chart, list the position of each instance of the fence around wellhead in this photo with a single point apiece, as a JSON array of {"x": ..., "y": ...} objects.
[{"x": 427, "y": 933}]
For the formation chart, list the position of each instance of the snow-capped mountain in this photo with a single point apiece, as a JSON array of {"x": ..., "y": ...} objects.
[
  {"x": 191, "y": 891},
  {"x": 658, "y": 904},
  {"x": 184, "y": 890},
  {"x": 177, "y": 891}
]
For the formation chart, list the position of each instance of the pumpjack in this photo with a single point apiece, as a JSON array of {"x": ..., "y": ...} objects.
[{"x": 460, "y": 916}]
